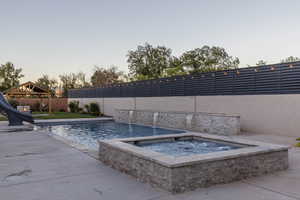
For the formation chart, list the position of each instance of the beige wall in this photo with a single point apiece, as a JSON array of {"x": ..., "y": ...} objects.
[
  {"x": 270, "y": 114},
  {"x": 185, "y": 104},
  {"x": 110, "y": 104}
]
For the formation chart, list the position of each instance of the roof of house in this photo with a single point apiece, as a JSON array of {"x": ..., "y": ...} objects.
[{"x": 27, "y": 89}]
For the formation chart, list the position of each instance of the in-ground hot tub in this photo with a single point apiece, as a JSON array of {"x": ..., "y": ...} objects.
[{"x": 188, "y": 161}]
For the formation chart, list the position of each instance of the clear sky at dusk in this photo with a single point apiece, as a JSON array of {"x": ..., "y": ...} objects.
[{"x": 61, "y": 36}]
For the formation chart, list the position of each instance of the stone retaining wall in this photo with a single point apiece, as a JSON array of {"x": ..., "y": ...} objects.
[{"x": 220, "y": 124}]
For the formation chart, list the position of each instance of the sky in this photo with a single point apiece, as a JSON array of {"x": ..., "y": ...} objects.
[{"x": 61, "y": 36}]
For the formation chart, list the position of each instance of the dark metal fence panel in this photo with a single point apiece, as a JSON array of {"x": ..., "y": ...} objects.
[
  {"x": 164, "y": 87},
  {"x": 290, "y": 79},
  {"x": 146, "y": 88},
  {"x": 206, "y": 84},
  {"x": 106, "y": 92},
  {"x": 191, "y": 85},
  {"x": 99, "y": 92},
  {"x": 224, "y": 82},
  {"x": 91, "y": 93},
  {"x": 124, "y": 90},
  {"x": 244, "y": 81},
  {"x": 268, "y": 79},
  {"x": 179, "y": 88},
  {"x": 155, "y": 87},
  {"x": 143, "y": 88}
]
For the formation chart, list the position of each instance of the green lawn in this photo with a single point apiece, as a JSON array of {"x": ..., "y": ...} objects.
[{"x": 58, "y": 115}]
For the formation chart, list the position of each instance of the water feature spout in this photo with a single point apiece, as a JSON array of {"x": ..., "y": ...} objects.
[
  {"x": 155, "y": 117},
  {"x": 130, "y": 116},
  {"x": 188, "y": 121}
]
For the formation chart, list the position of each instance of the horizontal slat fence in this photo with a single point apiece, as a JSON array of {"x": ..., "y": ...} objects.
[{"x": 267, "y": 79}]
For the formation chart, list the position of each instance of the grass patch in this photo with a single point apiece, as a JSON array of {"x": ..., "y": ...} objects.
[
  {"x": 57, "y": 115},
  {"x": 64, "y": 115},
  {"x": 298, "y": 139},
  {"x": 297, "y": 145}
]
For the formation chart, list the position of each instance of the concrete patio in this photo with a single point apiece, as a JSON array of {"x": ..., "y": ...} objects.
[{"x": 34, "y": 165}]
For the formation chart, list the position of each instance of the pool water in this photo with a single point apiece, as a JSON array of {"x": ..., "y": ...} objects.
[
  {"x": 88, "y": 133},
  {"x": 187, "y": 147}
]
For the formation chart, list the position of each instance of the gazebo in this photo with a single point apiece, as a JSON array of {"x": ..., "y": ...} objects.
[{"x": 29, "y": 89}]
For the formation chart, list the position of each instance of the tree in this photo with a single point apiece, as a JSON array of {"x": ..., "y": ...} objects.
[
  {"x": 10, "y": 76},
  {"x": 261, "y": 62},
  {"x": 175, "y": 68},
  {"x": 290, "y": 59},
  {"x": 105, "y": 76},
  {"x": 148, "y": 62},
  {"x": 81, "y": 80},
  {"x": 72, "y": 80},
  {"x": 48, "y": 84},
  {"x": 208, "y": 59}
]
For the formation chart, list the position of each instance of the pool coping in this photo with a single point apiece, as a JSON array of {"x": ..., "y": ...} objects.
[
  {"x": 254, "y": 148},
  {"x": 62, "y": 121}
]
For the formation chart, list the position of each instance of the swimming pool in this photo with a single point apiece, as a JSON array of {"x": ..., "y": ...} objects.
[{"x": 88, "y": 133}]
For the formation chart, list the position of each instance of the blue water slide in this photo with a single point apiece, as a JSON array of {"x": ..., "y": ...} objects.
[{"x": 14, "y": 116}]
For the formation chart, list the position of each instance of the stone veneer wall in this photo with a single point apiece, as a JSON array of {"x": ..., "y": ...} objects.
[
  {"x": 144, "y": 170},
  {"x": 192, "y": 175},
  {"x": 220, "y": 124},
  {"x": 228, "y": 170}
]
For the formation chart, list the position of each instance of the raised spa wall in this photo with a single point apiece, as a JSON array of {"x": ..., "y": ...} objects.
[
  {"x": 220, "y": 124},
  {"x": 180, "y": 174}
]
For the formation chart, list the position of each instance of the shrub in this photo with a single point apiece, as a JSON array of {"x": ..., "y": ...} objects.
[
  {"x": 94, "y": 109},
  {"x": 87, "y": 108},
  {"x": 14, "y": 103},
  {"x": 62, "y": 110},
  {"x": 297, "y": 145},
  {"x": 74, "y": 106}
]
